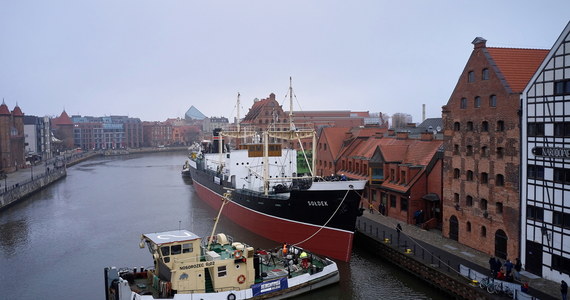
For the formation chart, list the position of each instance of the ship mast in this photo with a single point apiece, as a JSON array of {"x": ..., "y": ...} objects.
[{"x": 291, "y": 124}]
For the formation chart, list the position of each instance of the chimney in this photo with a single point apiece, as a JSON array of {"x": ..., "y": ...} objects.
[
  {"x": 391, "y": 132},
  {"x": 403, "y": 135},
  {"x": 479, "y": 42},
  {"x": 272, "y": 96},
  {"x": 423, "y": 112},
  {"x": 426, "y": 136}
]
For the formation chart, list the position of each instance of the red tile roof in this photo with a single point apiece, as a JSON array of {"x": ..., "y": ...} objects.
[
  {"x": 17, "y": 112},
  {"x": 63, "y": 119},
  {"x": 517, "y": 65},
  {"x": 4, "y": 109}
]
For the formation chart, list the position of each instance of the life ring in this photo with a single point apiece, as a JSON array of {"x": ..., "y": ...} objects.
[
  {"x": 241, "y": 279},
  {"x": 238, "y": 254},
  {"x": 231, "y": 296}
]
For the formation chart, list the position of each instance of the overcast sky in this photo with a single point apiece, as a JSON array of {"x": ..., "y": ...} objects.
[{"x": 153, "y": 59}]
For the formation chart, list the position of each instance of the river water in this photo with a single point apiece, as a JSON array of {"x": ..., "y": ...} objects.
[{"x": 55, "y": 244}]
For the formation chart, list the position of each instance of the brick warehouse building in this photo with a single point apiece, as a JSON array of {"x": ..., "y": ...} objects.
[
  {"x": 11, "y": 138},
  {"x": 482, "y": 142}
]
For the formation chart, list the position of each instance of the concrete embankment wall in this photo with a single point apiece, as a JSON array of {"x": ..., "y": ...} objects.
[
  {"x": 455, "y": 286},
  {"x": 23, "y": 190}
]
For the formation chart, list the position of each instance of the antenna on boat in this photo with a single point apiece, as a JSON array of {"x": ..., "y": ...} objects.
[
  {"x": 179, "y": 224},
  {"x": 238, "y": 115},
  {"x": 291, "y": 124}
]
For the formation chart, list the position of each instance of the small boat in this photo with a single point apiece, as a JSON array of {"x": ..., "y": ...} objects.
[
  {"x": 217, "y": 267},
  {"x": 186, "y": 170}
]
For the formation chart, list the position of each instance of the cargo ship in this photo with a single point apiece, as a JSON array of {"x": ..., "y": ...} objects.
[{"x": 270, "y": 198}]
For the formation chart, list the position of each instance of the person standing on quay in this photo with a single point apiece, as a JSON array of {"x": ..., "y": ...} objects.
[
  {"x": 518, "y": 268},
  {"x": 564, "y": 289}
]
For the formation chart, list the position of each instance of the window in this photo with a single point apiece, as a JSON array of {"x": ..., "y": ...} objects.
[
  {"x": 484, "y": 178},
  {"x": 456, "y": 173},
  {"x": 377, "y": 173},
  {"x": 485, "y": 126},
  {"x": 325, "y": 147},
  {"x": 535, "y": 129},
  {"x": 471, "y": 76},
  {"x": 562, "y": 129},
  {"x": 562, "y": 175},
  {"x": 455, "y": 198},
  {"x": 477, "y": 102},
  {"x": 562, "y": 87},
  {"x": 561, "y": 219},
  {"x": 469, "y": 126},
  {"x": 483, "y": 231},
  {"x": 403, "y": 177},
  {"x": 403, "y": 204},
  {"x": 535, "y": 172},
  {"x": 500, "y": 125},
  {"x": 499, "y": 207},
  {"x": 499, "y": 180},
  {"x": 483, "y": 204},
  {"x": 469, "y": 175},
  {"x": 392, "y": 201},
  {"x": 455, "y": 149},
  {"x": 561, "y": 264},
  {"x": 222, "y": 272},
  {"x": 187, "y": 248},
  {"x": 463, "y": 104},
  {"x": 535, "y": 213},
  {"x": 469, "y": 201},
  {"x": 493, "y": 101},
  {"x": 469, "y": 151},
  {"x": 485, "y": 74},
  {"x": 165, "y": 250},
  {"x": 176, "y": 249},
  {"x": 484, "y": 151},
  {"x": 500, "y": 152},
  {"x": 468, "y": 226},
  {"x": 456, "y": 126}
]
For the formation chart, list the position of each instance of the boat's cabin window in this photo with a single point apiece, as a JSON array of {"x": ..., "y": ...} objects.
[
  {"x": 176, "y": 249},
  {"x": 222, "y": 271},
  {"x": 187, "y": 248},
  {"x": 165, "y": 250}
]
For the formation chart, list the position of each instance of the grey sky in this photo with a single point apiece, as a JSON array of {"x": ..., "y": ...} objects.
[{"x": 153, "y": 59}]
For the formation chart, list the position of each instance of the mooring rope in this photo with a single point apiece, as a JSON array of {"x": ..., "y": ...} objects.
[{"x": 324, "y": 225}]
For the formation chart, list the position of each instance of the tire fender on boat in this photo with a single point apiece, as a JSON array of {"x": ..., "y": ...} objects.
[
  {"x": 231, "y": 296},
  {"x": 238, "y": 254},
  {"x": 241, "y": 279}
]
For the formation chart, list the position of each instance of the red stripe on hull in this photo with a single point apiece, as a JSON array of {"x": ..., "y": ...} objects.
[{"x": 336, "y": 244}]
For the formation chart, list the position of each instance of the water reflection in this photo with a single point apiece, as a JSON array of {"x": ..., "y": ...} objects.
[{"x": 13, "y": 236}]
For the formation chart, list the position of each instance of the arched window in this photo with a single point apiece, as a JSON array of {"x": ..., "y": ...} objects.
[
  {"x": 456, "y": 149},
  {"x": 484, "y": 178},
  {"x": 493, "y": 101},
  {"x": 469, "y": 150},
  {"x": 484, "y": 151},
  {"x": 485, "y": 126},
  {"x": 468, "y": 226},
  {"x": 485, "y": 74},
  {"x": 500, "y": 180},
  {"x": 469, "y": 201},
  {"x": 469, "y": 175},
  {"x": 463, "y": 103},
  {"x": 477, "y": 102},
  {"x": 483, "y": 204},
  {"x": 471, "y": 76},
  {"x": 455, "y": 198},
  {"x": 469, "y": 126},
  {"x": 500, "y": 125},
  {"x": 455, "y": 173},
  {"x": 456, "y": 126},
  {"x": 483, "y": 231}
]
